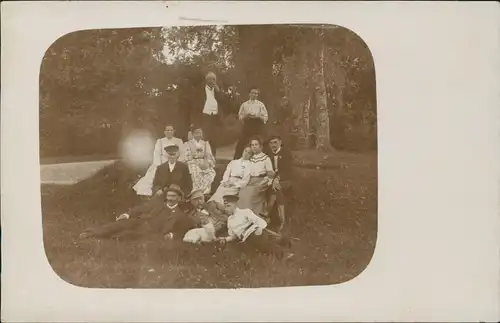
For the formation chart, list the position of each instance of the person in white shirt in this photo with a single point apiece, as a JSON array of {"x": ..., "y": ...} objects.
[
  {"x": 144, "y": 186},
  {"x": 235, "y": 177},
  {"x": 211, "y": 110},
  {"x": 253, "y": 114},
  {"x": 245, "y": 226}
]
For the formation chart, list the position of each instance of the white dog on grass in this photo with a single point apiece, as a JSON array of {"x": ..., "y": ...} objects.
[{"x": 199, "y": 235}]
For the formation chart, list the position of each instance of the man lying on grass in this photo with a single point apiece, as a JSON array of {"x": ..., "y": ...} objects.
[
  {"x": 212, "y": 215},
  {"x": 152, "y": 217},
  {"x": 246, "y": 227}
]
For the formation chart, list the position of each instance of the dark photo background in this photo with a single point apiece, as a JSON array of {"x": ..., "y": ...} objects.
[{"x": 98, "y": 85}]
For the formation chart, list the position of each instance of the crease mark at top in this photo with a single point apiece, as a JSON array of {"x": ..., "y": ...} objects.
[{"x": 202, "y": 20}]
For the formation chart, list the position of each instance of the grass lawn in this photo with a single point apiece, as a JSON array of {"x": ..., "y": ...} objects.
[{"x": 333, "y": 212}]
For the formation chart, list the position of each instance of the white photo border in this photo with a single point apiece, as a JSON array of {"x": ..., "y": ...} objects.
[{"x": 437, "y": 256}]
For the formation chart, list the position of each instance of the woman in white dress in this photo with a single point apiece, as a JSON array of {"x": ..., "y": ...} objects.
[
  {"x": 201, "y": 161},
  {"x": 235, "y": 177},
  {"x": 144, "y": 186},
  {"x": 253, "y": 195}
]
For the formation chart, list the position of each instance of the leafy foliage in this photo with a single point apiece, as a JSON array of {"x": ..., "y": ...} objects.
[
  {"x": 96, "y": 85},
  {"x": 94, "y": 82},
  {"x": 280, "y": 59}
]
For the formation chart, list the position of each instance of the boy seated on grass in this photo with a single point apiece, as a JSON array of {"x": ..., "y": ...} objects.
[{"x": 246, "y": 227}]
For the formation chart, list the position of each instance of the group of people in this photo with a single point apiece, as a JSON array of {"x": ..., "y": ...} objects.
[
  {"x": 179, "y": 202},
  {"x": 195, "y": 170},
  {"x": 251, "y": 187},
  {"x": 208, "y": 105}
]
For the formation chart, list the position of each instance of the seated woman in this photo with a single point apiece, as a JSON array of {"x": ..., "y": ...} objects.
[
  {"x": 144, "y": 186},
  {"x": 201, "y": 162},
  {"x": 253, "y": 195},
  {"x": 235, "y": 177}
]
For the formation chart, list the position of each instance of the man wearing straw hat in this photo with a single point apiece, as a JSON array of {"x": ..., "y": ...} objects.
[
  {"x": 212, "y": 215},
  {"x": 151, "y": 217}
]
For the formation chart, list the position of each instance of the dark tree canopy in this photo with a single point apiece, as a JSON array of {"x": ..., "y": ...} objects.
[{"x": 96, "y": 85}]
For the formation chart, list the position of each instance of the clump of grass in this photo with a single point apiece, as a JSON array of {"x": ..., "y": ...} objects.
[{"x": 332, "y": 212}]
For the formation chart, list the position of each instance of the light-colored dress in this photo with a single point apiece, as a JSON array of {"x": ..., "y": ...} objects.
[
  {"x": 253, "y": 196},
  {"x": 145, "y": 184},
  {"x": 196, "y": 153},
  {"x": 235, "y": 177}
]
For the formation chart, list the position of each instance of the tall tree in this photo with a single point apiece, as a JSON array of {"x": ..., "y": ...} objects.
[
  {"x": 94, "y": 80},
  {"x": 322, "y": 119},
  {"x": 254, "y": 59}
]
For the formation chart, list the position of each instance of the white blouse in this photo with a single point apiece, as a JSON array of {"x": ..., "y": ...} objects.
[
  {"x": 243, "y": 223},
  {"x": 237, "y": 173},
  {"x": 260, "y": 164},
  {"x": 160, "y": 155},
  {"x": 253, "y": 108}
]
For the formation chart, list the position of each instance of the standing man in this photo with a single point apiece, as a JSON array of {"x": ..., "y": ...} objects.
[{"x": 210, "y": 103}]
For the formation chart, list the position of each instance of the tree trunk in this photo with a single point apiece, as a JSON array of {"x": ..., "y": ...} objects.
[
  {"x": 304, "y": 126},
  {"x": 297, "y": 89},
  {"x": 254, "y": 60},
  {"x": 322, "y": 120}
]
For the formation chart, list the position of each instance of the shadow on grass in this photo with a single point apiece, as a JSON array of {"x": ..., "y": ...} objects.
[{"x": 333, "y": 213}]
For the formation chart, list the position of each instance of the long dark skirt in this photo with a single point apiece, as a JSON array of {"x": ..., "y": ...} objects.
[{"x": 251, "y": 127}]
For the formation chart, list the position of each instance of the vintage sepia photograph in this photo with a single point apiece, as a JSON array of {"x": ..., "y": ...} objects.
[
  {"x": 178, "y": 161},
  {"x": 217, "y": 156}
]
